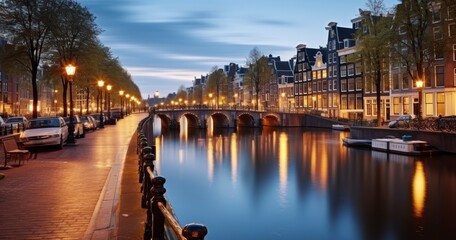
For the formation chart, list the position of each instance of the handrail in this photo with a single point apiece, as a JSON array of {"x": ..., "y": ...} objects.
[{"x": 153, "y": 198}]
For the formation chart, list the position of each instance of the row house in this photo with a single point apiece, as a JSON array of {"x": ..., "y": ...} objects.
[
  {"x": 439, "y": 90},
  {"x": 281, "y": 74}
]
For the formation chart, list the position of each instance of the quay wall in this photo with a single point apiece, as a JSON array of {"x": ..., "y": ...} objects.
[{"x": 442, "y": 140}]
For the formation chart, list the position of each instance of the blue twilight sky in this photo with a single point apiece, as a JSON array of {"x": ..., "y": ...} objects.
[{"x": 164, "y": 44}]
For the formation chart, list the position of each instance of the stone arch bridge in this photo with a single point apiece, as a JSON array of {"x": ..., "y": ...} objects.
[{"x": 231, "y": 118}]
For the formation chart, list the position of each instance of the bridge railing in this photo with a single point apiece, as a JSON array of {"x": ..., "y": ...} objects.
[{"x": 153, "y": 199}]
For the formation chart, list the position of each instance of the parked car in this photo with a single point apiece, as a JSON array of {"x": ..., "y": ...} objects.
[
  {"x": 78, "y": 127},
  {"x": 401, "y": 121},
  {"x": 88, "y": 122},
  {"x": 49, "y": 131},
  {"x": 16, "y": 122},
  {"x": 96, "y": 116}
]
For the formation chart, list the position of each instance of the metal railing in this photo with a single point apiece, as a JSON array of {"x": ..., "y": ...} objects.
[{"x": 159, "y": 212}]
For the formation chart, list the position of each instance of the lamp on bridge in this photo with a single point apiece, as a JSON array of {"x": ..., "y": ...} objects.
[{"x": 100, "y": 93}]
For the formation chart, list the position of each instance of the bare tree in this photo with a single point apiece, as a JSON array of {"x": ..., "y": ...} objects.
[
  {"x": 373, "y": 50},
  {"x": 216, "y": 80},
  {"x": 414, "y": 46},
  {"x": 258, "y": 73},
  {"x": 72, "y": 31},
  {"x": 26, "y": 24}
]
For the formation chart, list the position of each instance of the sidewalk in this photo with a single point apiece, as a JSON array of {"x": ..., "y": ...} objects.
[{"x": 86, "y": 191}]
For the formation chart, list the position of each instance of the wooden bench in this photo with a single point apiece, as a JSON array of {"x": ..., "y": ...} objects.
[{"x": 12, "y": 150}]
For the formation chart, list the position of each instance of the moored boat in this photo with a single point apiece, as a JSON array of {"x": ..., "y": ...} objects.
[
  {"x": 341, "y": 127},
  {"x": 403, "y": 146},
  {"x": 353, "y": 142}
]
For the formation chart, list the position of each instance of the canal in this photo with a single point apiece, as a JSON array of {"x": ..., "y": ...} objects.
[{"x": 303, "y": 184}]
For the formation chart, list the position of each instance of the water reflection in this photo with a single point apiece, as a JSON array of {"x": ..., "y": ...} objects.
[
  {"x": 419, "y": 189},
  {"x": 286, "y": 184}
]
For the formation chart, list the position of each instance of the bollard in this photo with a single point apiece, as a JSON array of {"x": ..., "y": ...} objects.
[
  {"x": 158, "y": 219},
  {"x": 146, "y": 183},
  {"x": 145, "y": 150},
  {"x": 194, "y": 231}
]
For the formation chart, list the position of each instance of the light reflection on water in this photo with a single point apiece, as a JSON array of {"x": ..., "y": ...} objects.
[{"x": 304, "y": 184}]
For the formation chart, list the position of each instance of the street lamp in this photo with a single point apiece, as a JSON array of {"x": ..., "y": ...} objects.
[
  {"x": 126, "y": 104},
  {"x": 210, "y": 99},
  {"x": 121, "y": 93},
  {"x": 108, "y": 88},
  {"x": 70, "y": 70},
  {"x": 100, "y": 93},
  {"x": 419, "y": 85}
]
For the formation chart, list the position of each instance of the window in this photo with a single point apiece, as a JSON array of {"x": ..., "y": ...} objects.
[
  {"x": 351, "y": 84},
  {"x": 343, "y": 85},
  {"x": 309, "y": 75},
  {"x": 330, "y": 57},
  {"x": 359, "y": 83},
  {"x": 454, "y": 52},
  {"x": 405, "y": 81},
  {"x": 396, "y": 81},
  {"x": 330, "y": 71},
  {"x": 454, "y": 77},
  {"x": 374, "y": 106},
  {"x": 301, "y": 56},
  {"x": 452, "y": 30},
  {"x": 359, "y": 101},
  {"x": 330, "y": 85},
  {"x": 323, "y": 73},
  {"x": 369, "y": 107},
  {"x": 405, "y": 105},
  {"x": 440, "y": 103},
  {"x": 439, "y": 76},
  {"x": 438, "y": 52},
  {"x": 343, "y": 71},
  {"x": 437, "y": 33},
  {"x": 358, "y": 68},
  {"x": 396, "y": 105},
  {"x": 436, "y": 16},
  {"x": 335, "y": 71},
  {"x": 343, "y": 102},
  {"x": 318, "y": 74},
  {"x": 334, "y": 55},
  {"x": 429, "y": 107},
  {"x": 314, "y": 75},
  {"x": 334, "y": 85},
  {"x": 325, "y": 85},
  {"x": 351, "y": 101},
  {"x": 342, "y": 59},
  {"x": 351, "y": 70},
  {"x": 452, "y": 12}
]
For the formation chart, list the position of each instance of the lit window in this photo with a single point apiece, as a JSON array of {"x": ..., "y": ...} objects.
[
  {"x": 440, "y": 104},
  {"x": 429, "y": 107},
  {"x": 436, "y": 17}
]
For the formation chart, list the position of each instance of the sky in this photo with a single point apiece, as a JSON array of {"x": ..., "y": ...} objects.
[{"x": 165, "y": 44}]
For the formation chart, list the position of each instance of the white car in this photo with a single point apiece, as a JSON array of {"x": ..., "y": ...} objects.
[
  {"x": 49, "y": 131},
  {"x": 15, "y": 122}
]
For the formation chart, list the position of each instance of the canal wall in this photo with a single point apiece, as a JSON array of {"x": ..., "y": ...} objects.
[{"x": 443, "y": 141}]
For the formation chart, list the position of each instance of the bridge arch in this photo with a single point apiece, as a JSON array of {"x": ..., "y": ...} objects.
[
  {"x": 220, "y": 119},
  {"x": 272, "y": 120},
  {"x": 192, "y": 119},
  {"x": 166, "y": 120},
  {"x": 245, "y": 120}
]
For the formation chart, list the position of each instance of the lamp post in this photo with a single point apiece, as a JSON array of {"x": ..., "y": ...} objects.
[
  {"x": 419, "y": 86},
  {"x": 100, "y": 93},
  {"x": 108, "y": 89},
  {"x": 70, "y": 70},
  {"x": 126, "y": 104},
  {"x": 121, "y": 93},
  {"x": 210, "y": 99}
]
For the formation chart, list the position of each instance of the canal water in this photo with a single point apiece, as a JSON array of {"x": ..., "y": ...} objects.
[{"x": 294, "y": 183}]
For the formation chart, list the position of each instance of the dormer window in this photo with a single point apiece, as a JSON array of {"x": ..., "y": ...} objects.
[{"x": 346, "y": 43}]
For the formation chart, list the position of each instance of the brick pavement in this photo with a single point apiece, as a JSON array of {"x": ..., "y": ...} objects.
[{"x": 72, "y": 193}]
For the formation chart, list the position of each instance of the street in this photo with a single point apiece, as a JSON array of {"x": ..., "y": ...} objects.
[{"x": 71, "y": 193}]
